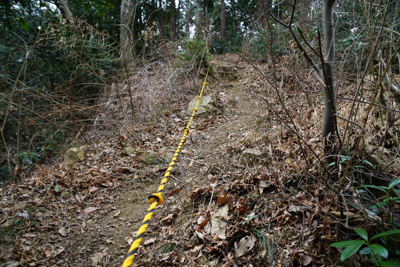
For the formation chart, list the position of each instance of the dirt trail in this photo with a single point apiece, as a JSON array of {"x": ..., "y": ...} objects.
[
  {"x": 203, "y": 149},
  {"x": 86, "y": 214}
]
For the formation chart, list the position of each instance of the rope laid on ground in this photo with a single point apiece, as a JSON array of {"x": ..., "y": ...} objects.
[{"x": 157, "y": 198}]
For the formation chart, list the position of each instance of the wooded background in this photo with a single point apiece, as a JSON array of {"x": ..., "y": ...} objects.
[{"x": 58, "y": 56}]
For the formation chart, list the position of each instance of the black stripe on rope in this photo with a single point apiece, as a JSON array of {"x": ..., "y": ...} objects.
[
  {"x": 132, "y": 252},
  {"x": 155, "y": 197}
]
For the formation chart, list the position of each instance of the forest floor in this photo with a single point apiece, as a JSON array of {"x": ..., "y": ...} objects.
[{"x": 241, "y": 194}]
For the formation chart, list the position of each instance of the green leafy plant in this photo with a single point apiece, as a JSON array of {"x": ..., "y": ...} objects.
[
  {"x": 169, "y": 248},
  {"x": 249, "y": 218},
  {"x": 266, "y": 244},
  {"x": 376, "y": 253},
  {"x": 388, "y": 200}
]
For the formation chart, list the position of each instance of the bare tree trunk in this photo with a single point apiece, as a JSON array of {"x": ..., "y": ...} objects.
[
  {"x": 199, "y": 16},
  {"x": 234, "y": 24},
  {"x": 329, "y": 125},
  {"x": 206, "y": 18},
  {"x": 223, "y": 19},
  {"x": 173, "y": 20},
  {"x": 187, "y": 19},
  {"x": 70, "y": 16},
  {"x": 161, "y": 18},
  {"x": 261, "y": 13},
  {"x": 127, "y": 32}
]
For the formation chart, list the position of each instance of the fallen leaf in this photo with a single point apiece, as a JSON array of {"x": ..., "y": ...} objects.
[
  {"x": 90, "y": 209},
  {"x": 96, "y": 259},
  {"x": 218, "y": 225},
  {"x": 19, "y": 205},
  {"x": 86, "y": 212},
  {"x": 149, "y": 241},
  {"x": 203, "y": 223},
  {"x": 129, "y": 240},
  {"x": 168, "y": 218},
  {"x": 245, "y": 245},
  {"x": 117, "y": 213},
  {"x": 29, "y": 235},
  {"x": 196, "y": 249},
  {"x": 93, "y": 189},
  {"x": 175, "y": 191},
  {"x": 48, "y": 253},
  {"x": 222, "y": 198},
  {"x": 305, "y": 259},
  {"x": 63, "y": 231}
]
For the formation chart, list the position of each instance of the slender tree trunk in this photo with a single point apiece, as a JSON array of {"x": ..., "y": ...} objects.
[
  {"x": 261, "y": 13},
  {"x": 234, "y": 23},
  {"x": 161, "y": 18},
  {"x": 178, "y": 19},
  {"x": 199, "y": 16},
  {"x": 329, "y": 125},
  {"x": 207, "y": 21},
  {"x": 127, "y": 31},
  {"x": 70, "y": 16},
  {"x": 173, "y": 20},
  {"x": 188, "y": 16},
  {"x": 223, "y": 19}
]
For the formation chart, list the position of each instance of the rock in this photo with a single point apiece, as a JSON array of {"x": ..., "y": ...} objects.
[
  {"x": 75, "y": 154},
  {"x": 168, "y": 157},
  {"x": 252, "y": 155},
  {"x": 149, "y": 156},
  {"x": 128, "y": 151},
  {"x": 227, "y": 70},
  {"x": 188, "y": 206},
  {"x": 194, "y": 240},
  {"x": 289, "y": 161},
  {"x": 205, "y": 106},
  {"x": 64, "y": 195}
]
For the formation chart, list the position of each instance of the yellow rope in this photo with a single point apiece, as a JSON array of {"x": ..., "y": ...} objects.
[{"x": 157, "y": 196}]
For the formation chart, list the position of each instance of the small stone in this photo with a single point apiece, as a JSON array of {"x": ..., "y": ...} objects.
[
  {"x": 289, "y": 161},
  {"x": 205, "y": 106},
  {"x": 64, "y": 195},
  {"x": 188, "y": 206},
  {"x": 168, "y": 157},
  {"x": 194, "y": 240},
  {"x": 252, "y": 155},
  {"x": 149, "y": 156},
  {"x": 128, "y": 151},
  {"x": 75, "y": 154}
]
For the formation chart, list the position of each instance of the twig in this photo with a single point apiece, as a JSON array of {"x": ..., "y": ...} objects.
[{"x": 355, "y": 123}]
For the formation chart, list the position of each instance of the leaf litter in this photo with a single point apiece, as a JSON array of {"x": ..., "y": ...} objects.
[{"x": 220, "y": 209}]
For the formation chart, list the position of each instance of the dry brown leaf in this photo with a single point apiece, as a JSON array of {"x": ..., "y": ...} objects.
[
  {"x": 175, "y": 191},
  {"x": 245, "y": 245},
  {"x": 96, "y": 259},
  {"x": 203, "y": 223},
  {"x": 93, "y": 189},
  {"x": 196, "y": 249},
  {"x": 305, "y": 259},
  {"x": 90, "y": 209},
  {"x": 129, "y": 240},
  {"x": 222, "y": 198},
  {"x": 168, "y": 218},
  {"x": 63, "y": 231},
  {"x": 117, "y": 213},
  {"x": 149, "y": 241}
]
